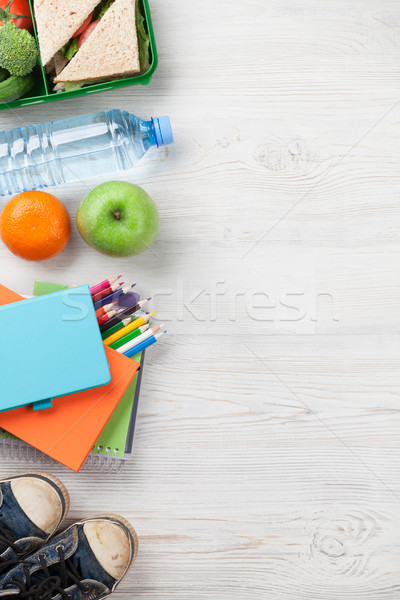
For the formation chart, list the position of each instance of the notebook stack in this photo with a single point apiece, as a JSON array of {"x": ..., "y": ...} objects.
[{"x": 71, "y": 361}]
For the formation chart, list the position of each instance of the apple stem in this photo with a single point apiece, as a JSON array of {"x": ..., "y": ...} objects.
[{"x": 118, "y": 216}]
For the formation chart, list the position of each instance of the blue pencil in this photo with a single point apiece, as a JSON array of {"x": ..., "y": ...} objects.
[{"x": 143, "y": 345}]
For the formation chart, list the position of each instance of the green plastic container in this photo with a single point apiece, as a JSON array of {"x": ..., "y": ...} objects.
[{"x": 42, "y": 92}]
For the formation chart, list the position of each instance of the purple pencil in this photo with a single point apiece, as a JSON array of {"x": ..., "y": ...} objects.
[
  {"x": 113, "y": 297},
  {"x": 128, "y": 299}
]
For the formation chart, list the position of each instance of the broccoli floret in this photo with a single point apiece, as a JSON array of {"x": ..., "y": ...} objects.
[{"x": 18, "y": 50}]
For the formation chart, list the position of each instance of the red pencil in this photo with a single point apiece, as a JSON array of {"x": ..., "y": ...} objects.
[
  {"x": 104, "y": 318},
  {"x": 107, "y": 291},
  {"x": 100, "y": 312},
  {"x": 103, "y": 285}
]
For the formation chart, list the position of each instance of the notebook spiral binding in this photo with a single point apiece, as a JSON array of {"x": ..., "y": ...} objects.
[{"x": 12, "y": 449}]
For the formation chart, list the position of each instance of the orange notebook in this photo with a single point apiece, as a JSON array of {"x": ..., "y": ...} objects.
[{"x": 68, "y": 431}]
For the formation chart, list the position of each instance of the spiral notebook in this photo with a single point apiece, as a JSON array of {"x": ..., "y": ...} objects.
[
  {"x": 68, "y": 431},
  {"x": 105, "y": 460},
  {"x": 106, "y": 454}
]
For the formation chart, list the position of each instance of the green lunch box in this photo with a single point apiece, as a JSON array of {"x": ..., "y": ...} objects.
[{"x": 42, "y": 91}]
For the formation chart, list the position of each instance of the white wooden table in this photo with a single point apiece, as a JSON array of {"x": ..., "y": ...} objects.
[{"x": 267, "y": 451}]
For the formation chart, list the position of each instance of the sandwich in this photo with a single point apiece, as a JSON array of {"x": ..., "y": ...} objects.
[
  {"x": 87, "y": 41},
  {"x": 57, "y": 21}
]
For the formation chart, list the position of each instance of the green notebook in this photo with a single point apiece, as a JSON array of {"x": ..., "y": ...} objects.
[
  {"x": 41, "y": 288},
  {"x": 112, "y": 439}
]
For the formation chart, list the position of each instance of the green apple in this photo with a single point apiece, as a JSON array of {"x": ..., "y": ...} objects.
[{"x": 118, "y": 218}]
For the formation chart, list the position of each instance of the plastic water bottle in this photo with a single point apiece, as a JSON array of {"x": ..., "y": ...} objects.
[{"x": 76, "y": 148}]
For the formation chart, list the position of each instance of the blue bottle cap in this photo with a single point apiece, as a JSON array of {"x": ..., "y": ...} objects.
[{"x": 163, "y": 131}]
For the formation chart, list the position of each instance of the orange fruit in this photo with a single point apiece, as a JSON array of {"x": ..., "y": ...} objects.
[{"x": 35, "y": 225}]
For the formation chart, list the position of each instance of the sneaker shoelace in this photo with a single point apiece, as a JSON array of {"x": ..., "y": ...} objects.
[
  {"x": 7, "y": 540},
  {"x": 45, "y": 584}
]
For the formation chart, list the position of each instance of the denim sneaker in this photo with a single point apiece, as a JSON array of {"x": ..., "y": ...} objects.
[
  {"x": 85, "y": 562},
  {"x": 32, "y": 507}
]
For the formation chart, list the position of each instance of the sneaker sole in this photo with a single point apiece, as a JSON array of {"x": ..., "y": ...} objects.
[{"x": 57, "y": 484}]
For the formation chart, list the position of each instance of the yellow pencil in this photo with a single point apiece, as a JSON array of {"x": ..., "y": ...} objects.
[{"x": 127, "y": 329}]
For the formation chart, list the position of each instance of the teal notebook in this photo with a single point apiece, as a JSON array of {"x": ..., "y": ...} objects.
[{"x": 49, "y": 347}]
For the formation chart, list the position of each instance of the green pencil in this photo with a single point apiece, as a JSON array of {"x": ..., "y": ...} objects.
[
  {"x": 118, "y": 326},
  {"x": 129, "y": 336}
]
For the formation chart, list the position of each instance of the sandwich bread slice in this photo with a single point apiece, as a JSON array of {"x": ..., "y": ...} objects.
[
  {"x": 111, "y": 51},
  {"x": 57, "y": 21}
]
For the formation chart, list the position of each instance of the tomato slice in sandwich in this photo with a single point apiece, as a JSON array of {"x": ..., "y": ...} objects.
[
  {"x": 88, "y": 31},
  {"x": 84, "y": 25}
]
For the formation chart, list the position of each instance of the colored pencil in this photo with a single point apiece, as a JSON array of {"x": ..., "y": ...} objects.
[
  {"x": 130, "y": 310},
  {"x": 138, "y": 322},
  {"x": 103, "y": 285},
  {"x": 115, "y": 328},
  {"x": 129, "y": 336},
  {"x": 124, "y": 323},
  {"x": 140, "y": 347},
  {"x": 125, "y": 313},
  {"x": 112, "y": 296},
  {"x": 149, "y": 333},
  {"x": 107, "y": 291},
  {"x": 105, "y": 318},
  {"x": 105, "y": 309}
]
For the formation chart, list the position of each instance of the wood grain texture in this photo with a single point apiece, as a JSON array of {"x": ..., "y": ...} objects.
[{"x": 267, "y": 450}]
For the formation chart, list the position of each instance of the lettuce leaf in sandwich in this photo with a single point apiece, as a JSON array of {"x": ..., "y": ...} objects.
[
  {"x": 101, "y": 9},
  {"x": 143, "y": 40}
]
